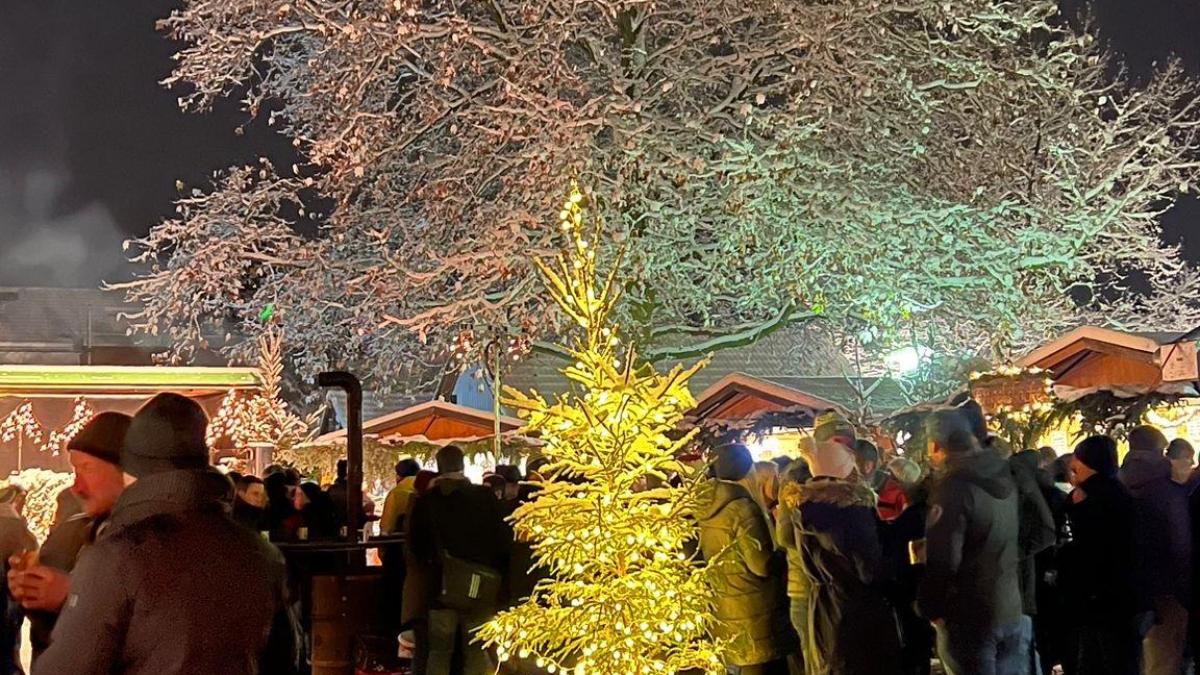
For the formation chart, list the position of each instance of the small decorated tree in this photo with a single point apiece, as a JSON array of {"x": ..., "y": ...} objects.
[{"x": 610, "y": 524}]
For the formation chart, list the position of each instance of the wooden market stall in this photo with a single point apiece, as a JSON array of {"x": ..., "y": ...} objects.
[
  {"x": 432, "y": 420},
  {"x": 776, "y": 414},
  {"x": 42, "y": 406},
  {"x": 1095, "y": 379}
]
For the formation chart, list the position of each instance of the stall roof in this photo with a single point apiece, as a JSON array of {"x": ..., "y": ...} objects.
[
  {"x": 432, "y": 420},
  {"x": 741, "y": 396},
  {"x": 116, "y": 381},
  {"x": 1091, "y": 357}
]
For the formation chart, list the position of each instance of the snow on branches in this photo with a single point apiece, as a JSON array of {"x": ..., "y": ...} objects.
[{"x": 968, "y": 172}]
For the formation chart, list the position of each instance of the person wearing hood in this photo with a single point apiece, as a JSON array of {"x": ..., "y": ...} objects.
[
  {"x": 750, "y": 605},
  {"x": 95, "y": 454},
  {"x": 851, "y": 626},
  {"x": 1035, "y": 529},
  {"x": 971, "y": 591},
  {"x": 455, "y": 528},
  {"x": 173, "y": 585},
  {"x": 1164, "y": 547},
  {"x": 1096, "y": 566}
]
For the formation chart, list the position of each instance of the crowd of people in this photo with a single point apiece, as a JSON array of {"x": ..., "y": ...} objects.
[
  {"x": 990, "y": 561},
  {"x": 844, "y": 561}
]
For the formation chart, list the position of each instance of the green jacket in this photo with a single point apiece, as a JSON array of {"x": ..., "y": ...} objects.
[{"x": 750, "y": 605}]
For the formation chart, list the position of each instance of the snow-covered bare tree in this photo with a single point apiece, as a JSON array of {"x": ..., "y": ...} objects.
[{"x": 964, "y": 174}]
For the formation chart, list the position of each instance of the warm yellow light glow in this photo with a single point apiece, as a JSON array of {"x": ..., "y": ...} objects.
[{"x": 607, "y": 526}]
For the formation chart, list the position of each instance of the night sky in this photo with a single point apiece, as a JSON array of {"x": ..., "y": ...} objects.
[{"x": 91, "y": 145}]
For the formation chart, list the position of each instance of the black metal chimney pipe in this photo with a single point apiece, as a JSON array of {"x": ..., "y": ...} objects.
[{"x": 348, "y": 383}]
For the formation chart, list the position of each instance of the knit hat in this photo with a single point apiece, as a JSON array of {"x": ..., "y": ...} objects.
[
  {"x": 832, "y": 460},
  {"x": 733, "y": 462},
  {"x": 166, "y": 434},
  {"x": 831, "y": 424},
  {"x": 102, "y": 437},
  {"x": 905, "y": 470},
  {"x": 1098, "y": 453}
]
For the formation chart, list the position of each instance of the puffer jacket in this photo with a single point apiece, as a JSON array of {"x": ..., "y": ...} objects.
[
  {"x": 971, "y": 572},
  {"x": 854, "y": 630},
  {"x": 1163, "y": 529},
  {"x": 750, "y": 605},
  {"x": 174, "y": 586}
]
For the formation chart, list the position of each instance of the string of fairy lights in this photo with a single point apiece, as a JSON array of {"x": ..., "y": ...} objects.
[{"x": 23, "y": 425}]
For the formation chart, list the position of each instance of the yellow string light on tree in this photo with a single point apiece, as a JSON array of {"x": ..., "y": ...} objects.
[
  {"x": 247, "y": 418},
  {"x": 609, "y": 526}
]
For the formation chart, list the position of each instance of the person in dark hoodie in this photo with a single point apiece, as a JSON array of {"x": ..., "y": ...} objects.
[
  {"x": 852, "y": 627},
  {"x": 1096, "y": 567},
  {"x": 173, "y": 585},
  {"x": 455, "y": 525},
  {"x": 1164, "y": 548},
  {"x": 750, "y": 605},
  {"x": 971, "y": 591},
  {"x": 1035, "y": 531}
]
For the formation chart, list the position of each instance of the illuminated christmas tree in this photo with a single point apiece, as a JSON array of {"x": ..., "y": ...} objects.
[{"x": 609, "y": 526}]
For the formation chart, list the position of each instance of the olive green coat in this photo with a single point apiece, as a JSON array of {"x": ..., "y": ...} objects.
[{"x": 750, "y": 604}]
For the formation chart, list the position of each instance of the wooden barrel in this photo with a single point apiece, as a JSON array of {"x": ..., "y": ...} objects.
[{"x": 342, "y": 608}]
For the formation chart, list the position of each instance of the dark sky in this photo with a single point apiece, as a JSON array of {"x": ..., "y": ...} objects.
[{"x": 91, "y": 145}]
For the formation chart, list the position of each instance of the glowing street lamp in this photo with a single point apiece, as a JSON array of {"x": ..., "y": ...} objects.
[{"x": 907, "y": 359}]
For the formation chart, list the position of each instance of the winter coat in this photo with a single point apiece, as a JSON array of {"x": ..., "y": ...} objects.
[
  {"x": 459, "y": 518},
  {"x": 750, "y": 605},
  {"x": 15, "y": 536},
  {"x": 895, "y": 537},
  {"x": 1162, "y": 526},
  {"x": 337, "y": 496},
  {"x": 395, "y": 507},
  {"x": 971, "y": 545},
  {"x": 63, "y": 546},
  {"x": 798, "y": 585},
  {"x": 854, "y": 630},
  {"x": 251, "y": 516},
  {"x": 174, "y": 586},
  {"x": 1035, "y": 530},
  {"x": 1097, "y": 565}
]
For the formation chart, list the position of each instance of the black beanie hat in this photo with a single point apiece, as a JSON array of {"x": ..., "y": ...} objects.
[
  {"x": 1098, "y": 453},
  {"x": 166, "y": 434},
  {"x": 102, "y": 437},
  {"x": 733, "y": 462}
]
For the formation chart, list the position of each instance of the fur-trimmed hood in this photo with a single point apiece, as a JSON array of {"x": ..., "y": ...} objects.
[{"x": 828, "y": 491}]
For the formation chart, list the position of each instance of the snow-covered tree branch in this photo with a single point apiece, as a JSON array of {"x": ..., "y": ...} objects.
[{"x": 968, "y": 172}]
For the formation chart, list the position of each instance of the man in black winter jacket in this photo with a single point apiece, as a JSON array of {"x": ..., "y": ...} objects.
[
  {"x": 455, "y": 521},
  {"x": 1163, "y": 534},
  {"x": 970, "y": 591},
  {"x": 1096, "y": 567}
]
